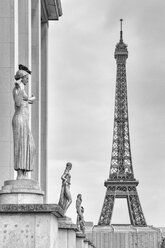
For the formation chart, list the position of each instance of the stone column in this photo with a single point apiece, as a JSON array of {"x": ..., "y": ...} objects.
[
  {"x": 43, "y": 161},
  {"x": 23, "y": 54},
  {"x": 36, "y": 82},
  {"x": 7, "y": 42}
]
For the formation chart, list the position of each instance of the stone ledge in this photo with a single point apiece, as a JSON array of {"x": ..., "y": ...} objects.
[
  {"x": 32, "y": 208},
  {"x": 80, "y": 235},
  {"x": 21, "y": 191},
  {"x": 66, "y": 223},
  {"x": 50, "y": 10},
  {"x": 25, "y": 191},
  {"x": 21, "y": 185}
]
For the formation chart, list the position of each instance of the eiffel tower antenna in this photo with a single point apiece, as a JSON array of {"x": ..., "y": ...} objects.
[
  {"x": 121, "y": 31},
  {"x": 121, "y": 182}
]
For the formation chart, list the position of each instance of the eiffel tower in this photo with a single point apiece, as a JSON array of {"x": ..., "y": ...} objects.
[{"x": 121, "y": 182}]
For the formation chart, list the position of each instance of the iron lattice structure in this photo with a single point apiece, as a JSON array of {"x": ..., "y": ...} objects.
[{"x": 121, "y": 182}]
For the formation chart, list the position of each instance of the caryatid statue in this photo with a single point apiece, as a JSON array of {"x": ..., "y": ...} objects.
[
  {"x": 65, "y": 196},
  {"x": 24, "y": 147},
  {"x": 80, "y": 214}
]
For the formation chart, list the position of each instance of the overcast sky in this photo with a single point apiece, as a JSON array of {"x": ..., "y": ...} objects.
[{"x": 81, "y": 91}]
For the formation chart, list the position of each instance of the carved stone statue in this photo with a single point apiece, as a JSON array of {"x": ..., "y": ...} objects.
[
  {"x": 82, "y": 222},
  {"x": 80, "y": 214},
  {"x": 24, "y": 147},
  {"x": 65, "y": 196},
  {"x": 78, "y": 209}
]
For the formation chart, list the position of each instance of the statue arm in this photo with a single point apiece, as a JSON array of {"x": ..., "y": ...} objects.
[
  {"x": 63, "y": 177},
  {"x": 18, "y": 96}
]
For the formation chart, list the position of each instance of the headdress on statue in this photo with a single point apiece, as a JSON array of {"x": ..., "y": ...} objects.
[
  {"x": 23, "y": 71},
  {"x": 24, "y": 68}
]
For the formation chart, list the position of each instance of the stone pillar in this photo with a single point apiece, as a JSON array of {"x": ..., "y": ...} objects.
[
  {"x": 43, "y": 161},
  {"x": 66, "y": 233},
  {"x": 7, "y": 43},
  {"x": 36, "y": 82},
  {"x": 23, "y": 37},
  {"x": 80, "y": 240}
]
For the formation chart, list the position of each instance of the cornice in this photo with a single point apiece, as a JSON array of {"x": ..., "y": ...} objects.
[{"x": 50, "y": 10}]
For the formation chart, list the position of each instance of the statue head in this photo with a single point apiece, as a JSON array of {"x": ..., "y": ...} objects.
[
  {"x": 69, "y": 166},
  {"x": 79, "y": 196},
  {"x": 22, "y": 74}
]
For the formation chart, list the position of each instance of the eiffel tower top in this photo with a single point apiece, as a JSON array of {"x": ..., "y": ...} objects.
[
  {"x": 121, "y": 160},
  {"x": 121, "y": 47}
]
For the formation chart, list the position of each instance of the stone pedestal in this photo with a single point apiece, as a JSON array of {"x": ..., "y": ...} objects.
[
  {"x": 125, "y": 236},
  {"x": 22, "y": 191},
  {"x": 66, "y": 233},
  {"x": 29, "y": 225},
  {"x": 80, "y": 240},
  {"x": 86, "y": 243}
]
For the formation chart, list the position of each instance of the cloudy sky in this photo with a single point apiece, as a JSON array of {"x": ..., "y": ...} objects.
[{"x": 81, "y": 91}]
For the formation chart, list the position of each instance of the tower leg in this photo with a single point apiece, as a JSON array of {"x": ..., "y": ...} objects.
[
  {"x": 106, "y": 213},
  {"x": 135, "y": 210}
]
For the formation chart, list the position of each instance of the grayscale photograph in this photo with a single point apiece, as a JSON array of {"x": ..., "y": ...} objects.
[{"x": 82, "y": 117}]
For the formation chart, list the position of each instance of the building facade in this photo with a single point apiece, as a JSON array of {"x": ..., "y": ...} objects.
[{"x": 23, "y": 40}]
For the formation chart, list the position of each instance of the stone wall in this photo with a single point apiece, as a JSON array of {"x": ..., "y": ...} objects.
[
  {"x": 38, "y": 226},
  {"x": 125, "y": 236}
]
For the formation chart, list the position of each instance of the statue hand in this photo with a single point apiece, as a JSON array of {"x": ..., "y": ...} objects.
[
  {"x": 31, "y": 99},
  {"x": 25, "y": 98}
]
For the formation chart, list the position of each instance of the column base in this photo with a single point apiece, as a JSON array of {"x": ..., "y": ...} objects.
[{"x": 22, "y": 191}]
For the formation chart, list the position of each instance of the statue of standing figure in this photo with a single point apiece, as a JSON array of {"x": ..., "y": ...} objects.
[
  {"x": 80, "y": 214},
  {"x": 65, "y": 196},
  {"x": 24, "y": 147}
]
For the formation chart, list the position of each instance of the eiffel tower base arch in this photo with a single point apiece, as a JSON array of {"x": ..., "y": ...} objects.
[{"x": 122, "y": 189}]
